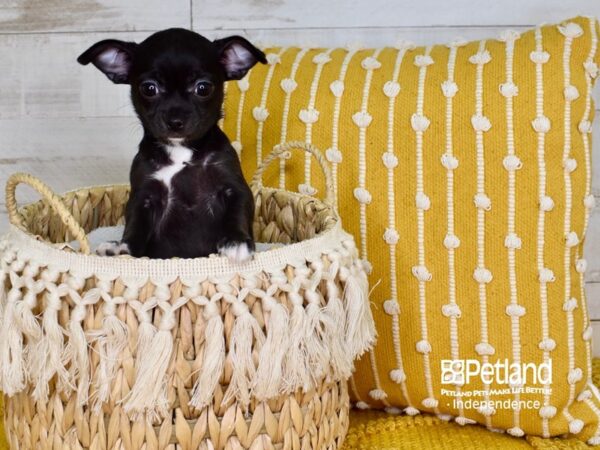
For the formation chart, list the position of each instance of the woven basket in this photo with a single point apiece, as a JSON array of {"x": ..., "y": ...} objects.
[{"x": 121, "y": 352}]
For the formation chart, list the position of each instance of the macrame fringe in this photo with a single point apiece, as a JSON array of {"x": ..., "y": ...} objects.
[
  {"x": 335, "y": 321},
  {"x": 295, "y": 368},
  {"x": 76, "y": 354},
  {"x": 146, "y": 333},
  {"x": 213, "y": 361},
  {"x": 111, "y": 341},
  {"x": 269, "y": 375},
  {"x": 11, "y": 346},
  {"x": 148, "y": 397},
  {"x": 317, "y": 350},
  {"x": 360, "y": 328},
  {"x": 246, "y": 332}
]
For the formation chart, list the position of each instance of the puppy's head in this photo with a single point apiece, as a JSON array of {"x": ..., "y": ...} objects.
[{"x": 176, "y": 77}]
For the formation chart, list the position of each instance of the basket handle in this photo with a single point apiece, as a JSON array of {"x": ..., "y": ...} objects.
[
  {"x": 53, "y": 200},
  {"x": 282, "y": 149}
]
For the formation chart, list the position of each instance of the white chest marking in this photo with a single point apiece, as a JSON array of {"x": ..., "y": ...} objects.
[{"x": 179, "y": 156}]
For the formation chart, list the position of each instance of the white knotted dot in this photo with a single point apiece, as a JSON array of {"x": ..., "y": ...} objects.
[
  {"x": 423, "y": 60},
  {"x": 421, "y": 273},
  {"x": 546, "y": 203},
  {"x": 570, "y": 164},
  {"x": 451, "y": 310},
  {"x": 581, "y": 265},
  {"x": 451, "y": 241},
  {"x": 450, "y": 162},
  {"x": 397, "y": 376},
  {"x": 260, "y": 114},
  {"x": 464, "y": 421},
  {"x": 288, "y": 85},
  {"x": 483, "y": 349},
  {"x": 423, "y": 346},
  {"x": 591, "y": 68},
  {"x": 589, "y": 201},
  {"x": 584, "y": 395},
  {"x": 333, "y": 155},
  {"x": 370, "y": 63},
  {"x": 362, "y": 405},
  {"x": 541, "y": 124},
  {"x": 237, "y": 146},
  {"x": 509, "y": 89},
  {"x": 321, "y": 58},
  {"x": 243, "y": 84},
  {"x": 391, "y": 89},
  {"x": 587, "y": 333},
  {"x": 367, "y": 266},
  {"x": 512, "y": 241},
  {"x": 362, "y": 195},
  {"x": 309, "y": 115},
  {"x": 539, "y": 57},
  {"x": 547, "y": 344},
  {"x": 570, "y": 305},
  {"x": 585, "y": 126},
  {"x": 391, "y": 307},
  {"x": 512, "y": 162},
  {"x": 546, "y": 275},
  {"x": 575, "y": 426},
  {"x": 393, "y": 410},
  {"x": 449, "y": 88},
  {"x": 377, "y": 394},
  {"x": 411, "y": 411},
  {"x": 571, "y": 239},
  {"x": 482, "y": 201},
  {"x": 429, "y": 402},
  {"x": 480, "y": 123},
  {"x": 422, "y": 201},
  {"x": 575, "y": 375},
  {"x": 516, "y": 432},
  {"x": 480, "y": 58},
  {"x": 547, "y": 412},
  {"x": 273, "y": 58},
  {"x": 362, "y": 119},
  {"x": 486, "y": 411},
  {"x": 571, "y": 93},
  {"x": 570, "y": 30},
  {"x": 419, "y": 122},
  {"x": 482, "y": 275},
  {"x": 509, "y": 36},
  {"x": 337, "y": 88},
  {"x": 306, "y": 189},
  {"x": 389, "y": 160},
  {"x": 593, "y": 441},
  {"x": 391, "y": 236},
  {"x": 514, "y": 310}
]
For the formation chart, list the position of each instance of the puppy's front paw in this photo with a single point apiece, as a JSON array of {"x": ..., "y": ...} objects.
[
  {"x": 112, "y": 248},
  {"x": 237, "y": 251}
]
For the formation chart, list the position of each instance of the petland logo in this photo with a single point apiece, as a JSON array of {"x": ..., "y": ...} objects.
[{"x": 459, "y": 372}]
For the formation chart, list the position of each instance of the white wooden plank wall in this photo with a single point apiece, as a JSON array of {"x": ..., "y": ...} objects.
[{"x": 72, "y": 127}]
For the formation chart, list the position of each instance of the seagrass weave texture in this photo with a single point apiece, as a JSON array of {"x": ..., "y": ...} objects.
[{"x": 129, "y": 353}]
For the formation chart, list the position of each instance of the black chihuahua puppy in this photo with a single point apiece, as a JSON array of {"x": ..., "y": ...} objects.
[{"x": 188, "y": 195}]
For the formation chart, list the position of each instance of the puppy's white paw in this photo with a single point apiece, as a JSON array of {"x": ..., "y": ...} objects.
[
  {"x": 112, "y": 248},
  {"x": 237, "y": 252}
]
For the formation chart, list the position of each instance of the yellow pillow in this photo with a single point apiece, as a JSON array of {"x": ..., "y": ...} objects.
[{"x": 464, "y": 173}]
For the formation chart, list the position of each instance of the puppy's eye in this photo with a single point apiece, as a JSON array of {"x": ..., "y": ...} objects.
[
  {"x": 203, "y": 89},
  {"x": 149, "y": 89}
]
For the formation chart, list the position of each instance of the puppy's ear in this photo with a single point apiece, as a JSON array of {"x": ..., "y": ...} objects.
[
  {"x": 112, "y": 57},
  {"x": 237, "y": 56}
]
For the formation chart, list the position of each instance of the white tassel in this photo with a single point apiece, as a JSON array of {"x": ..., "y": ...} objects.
[
  {"x": 360, "y": 328},
  {"x": 316, "y": 347},
  {"x": 214, "y": 358},
  {"x": 335, "y": 322},
  {"x": 268, "y": 382},
  {"x": 246, "y": 332},
  {"x": 111, "y": 342},
  {"x": 148, "y": 397},
  {"x": 11, "y": 344},
  {"x": 296, "y": 372},
  {"x": 77, "y": 349}
]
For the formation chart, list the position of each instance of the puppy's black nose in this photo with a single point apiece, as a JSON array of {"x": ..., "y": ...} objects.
[{"x": 175, "y": 124}]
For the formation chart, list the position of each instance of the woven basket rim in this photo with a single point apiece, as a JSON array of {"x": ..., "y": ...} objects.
[{"x": 295, "y": 254}]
